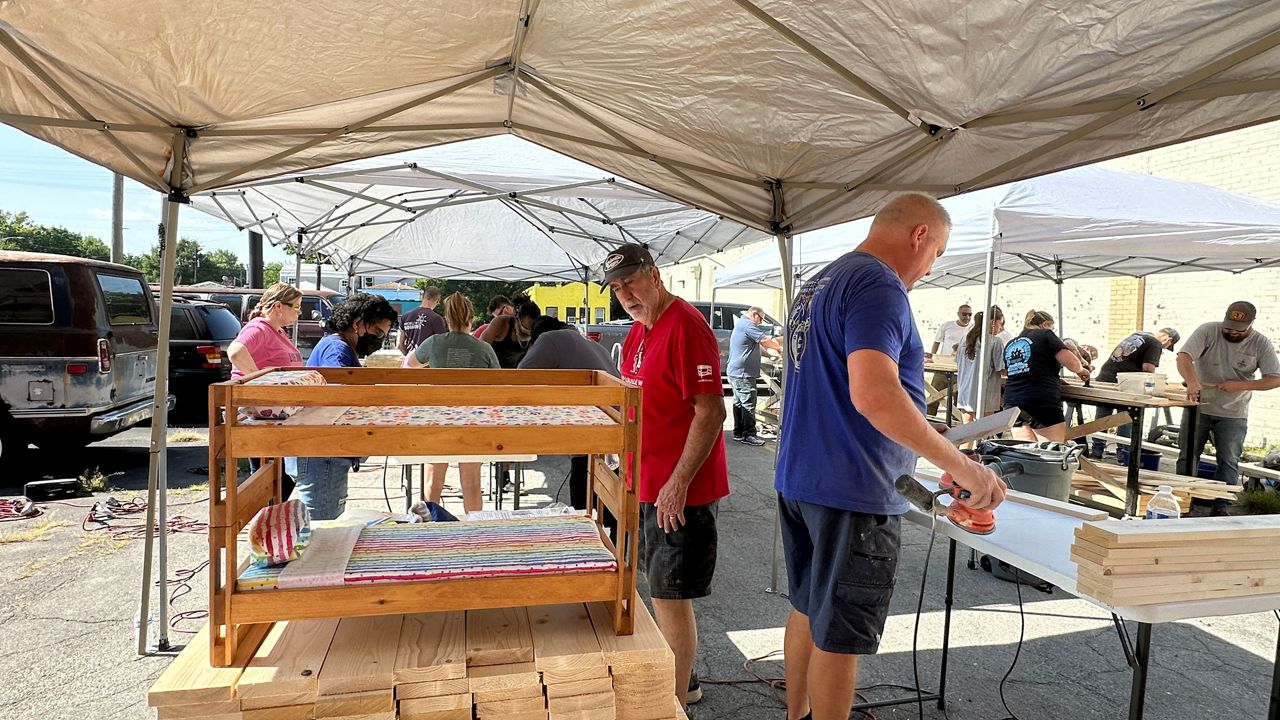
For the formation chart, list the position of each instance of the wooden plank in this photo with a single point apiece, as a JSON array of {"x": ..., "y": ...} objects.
[
  {"x": 462, "y": 376},
  {"x": 1224, "y": 529},
  {"x": 413, "y": 597},
  {"x": 289, "y": 660},
  {"x": 498, "y": 636},
  {"x": 367, "y": 702},
  {"x": 1178, "y": 581},
  {"x": 198, "y": 710},
  {"x": 531, "y": 715},
  {"x": 331, "y": 440},
  {"x": 286, "y": 712},
  {"x": 1104, "y": 479},
  {"x": 503, "y": 708},
  {"x": 580, "y": 687},
  {"x": 1052, "y": 505},
  {"x": 453, "y": 714},
  {"x": 486, "y": 678},
  {"x": 1106, "y": 423},
  {"x": 569, "y": 703},
  {"x": 362, "y": 656},
  {"x": 521, "y": 691},
  {"x": 1191, "y": 567},
  {"x": 646, "y": 644},
  {"x": 432, "y": 647},
  {"x": 415, "y": 706},
  {"x": 1217, "y": 591},
  {"x": 605, "y": 713},
  {"x": 1176, "y": 542},
  {"x": 269, "y": 701},
  {"x": 431, "y": 688},
  {"x": 983, "y": 428},
  {"x": 189, "y": 679},
  {"x": 553, "y": 676},
  {"x": 564, "y": 638},
  {"x": 422, "y": 395}
]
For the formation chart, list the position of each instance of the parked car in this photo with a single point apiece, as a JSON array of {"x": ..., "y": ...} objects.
[
  {"x": 200, "y": 333},
  {"x": 721, "y": 317},
  {"x": 317, "y": 306},
  {"x": 77, "y": 351}
]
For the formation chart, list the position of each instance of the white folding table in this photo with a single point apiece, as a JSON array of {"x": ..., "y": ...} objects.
[{"x": 1038, "y": 541}]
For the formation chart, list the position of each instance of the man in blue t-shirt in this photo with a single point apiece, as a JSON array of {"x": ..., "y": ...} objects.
[
  {"x": 854, "y": 423},
  {"x": 744, "y": 368}
]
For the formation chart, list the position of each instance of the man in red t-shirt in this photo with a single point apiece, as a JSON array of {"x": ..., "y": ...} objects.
[{"x": 672, "y": 354}]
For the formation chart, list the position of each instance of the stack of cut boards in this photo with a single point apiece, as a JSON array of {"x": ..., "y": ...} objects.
[
  {"x": 555, "y": 662},
  {"x": 1155, "y": 561},
  {"x": 1103, "y": 485}
]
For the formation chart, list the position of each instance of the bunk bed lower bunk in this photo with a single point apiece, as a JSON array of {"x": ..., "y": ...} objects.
[{"x": 383, "y": 570}]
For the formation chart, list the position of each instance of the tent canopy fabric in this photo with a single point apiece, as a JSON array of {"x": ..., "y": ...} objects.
[
  {"x": 1092, "y": 222},
  {"x": 783, "y": 116},
  {"x": 497, "y": 208}
]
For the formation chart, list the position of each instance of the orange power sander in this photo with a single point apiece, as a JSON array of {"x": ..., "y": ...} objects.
[{"x": 978, "y": 522}]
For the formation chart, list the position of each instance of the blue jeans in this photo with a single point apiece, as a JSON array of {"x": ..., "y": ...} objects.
[
  {"x": 322, "y": 485},
  {"x": 1228, "y": 438},
  {"x": 744, "y": 406}
]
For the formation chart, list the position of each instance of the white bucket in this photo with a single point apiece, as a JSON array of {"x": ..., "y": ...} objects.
[{"x": 1141, "y": 383}]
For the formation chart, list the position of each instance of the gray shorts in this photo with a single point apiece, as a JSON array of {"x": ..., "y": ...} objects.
[
  {"x": 841, "y": 566},
  {"x": 680, "y": 564}
]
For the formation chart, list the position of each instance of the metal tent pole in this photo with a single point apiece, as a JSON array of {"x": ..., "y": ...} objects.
[
  {"x": 1057, "y": 278},
  {"x": 981, "y": 361},
  {"x": 785, "y": 248},
  {"x": 157, "y": 472},
  {"x": 297, "y": 280}
]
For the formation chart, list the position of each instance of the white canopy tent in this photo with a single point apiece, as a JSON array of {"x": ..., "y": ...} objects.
[
  {"x": 783, "y": 116},
  {"x": 497, "y": 208},
  {"x": 1086, "y": 222}
]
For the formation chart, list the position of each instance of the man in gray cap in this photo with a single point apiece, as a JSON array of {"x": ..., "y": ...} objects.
[
  {"x": 672, "y": 353},
  {"x": 1218, "y": 363}
]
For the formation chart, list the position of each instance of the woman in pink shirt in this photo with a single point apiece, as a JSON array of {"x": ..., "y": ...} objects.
[{"x": 262, "y": 342}]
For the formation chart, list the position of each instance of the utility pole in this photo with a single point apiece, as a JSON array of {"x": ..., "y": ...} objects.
[{"x": 117, "y": 219}]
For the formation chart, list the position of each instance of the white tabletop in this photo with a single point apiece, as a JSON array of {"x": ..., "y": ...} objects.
[{"x": 1039, "y": 541}]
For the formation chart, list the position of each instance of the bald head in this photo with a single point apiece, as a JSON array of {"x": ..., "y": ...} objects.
[
  {"x": 909, "y": 234},
  {"x": 908, "y": 210}
]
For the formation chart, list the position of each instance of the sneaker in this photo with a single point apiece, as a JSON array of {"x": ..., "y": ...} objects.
[
  {"x": 752, "y": 440},
  {"x": 694, "y": 694},
  {"x": 737, "y": 437}
]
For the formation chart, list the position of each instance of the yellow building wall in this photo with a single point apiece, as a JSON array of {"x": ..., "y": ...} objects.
[{"x": 566, "y": 301}]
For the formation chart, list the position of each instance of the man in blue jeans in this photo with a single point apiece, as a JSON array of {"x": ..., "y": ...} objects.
[
  {"x": 744, "y": 368},
  {"x": 1218, "y": 363}
]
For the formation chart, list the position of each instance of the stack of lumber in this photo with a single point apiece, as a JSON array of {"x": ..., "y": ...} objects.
[
  {"x": 557, "y": 662},
  {"x": 1104, "y": 485},
  {"x": 1157, "y": 561}
]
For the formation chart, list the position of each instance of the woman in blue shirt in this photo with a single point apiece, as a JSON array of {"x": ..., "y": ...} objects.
[{"x": 357, "y": 328}]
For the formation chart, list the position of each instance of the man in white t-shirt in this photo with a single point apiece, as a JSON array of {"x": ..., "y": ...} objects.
[{"x": 949, "y": 336}]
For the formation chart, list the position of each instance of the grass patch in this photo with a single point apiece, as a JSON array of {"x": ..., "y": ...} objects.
[
  {"x": 182, "y": 436},
  {"x": 37, "y": 531},
  {"x": 1261, "y": 502},
  {"x": 201, "y": 489}
]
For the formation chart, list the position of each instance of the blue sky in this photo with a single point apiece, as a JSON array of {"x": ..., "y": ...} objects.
[{"x": 55, "y": 187}]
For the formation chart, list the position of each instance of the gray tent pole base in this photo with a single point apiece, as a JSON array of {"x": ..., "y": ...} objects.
[
  {"x": 785, "y": 248},
  {"x": 157, "y": 474}
]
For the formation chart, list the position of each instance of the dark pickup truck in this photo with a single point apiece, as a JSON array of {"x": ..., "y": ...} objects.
[{"x": 721, "y": 319}]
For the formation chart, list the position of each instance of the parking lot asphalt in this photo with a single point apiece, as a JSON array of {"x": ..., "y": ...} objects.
[{"x": 69, "y": 596}]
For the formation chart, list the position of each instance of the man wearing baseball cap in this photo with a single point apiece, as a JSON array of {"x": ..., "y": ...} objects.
[
  {"x": 1219, "y": 363},
  {"x": 673, "y": 355}
]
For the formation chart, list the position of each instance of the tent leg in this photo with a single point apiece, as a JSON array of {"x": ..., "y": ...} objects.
[
  {"x": 785, "y": 248},
  {"x": 980, "y": 407},
  {"x": 1062, "y": 320},
  {"x": 157, "y": 474},
  {"x": 297, "y": 280}
]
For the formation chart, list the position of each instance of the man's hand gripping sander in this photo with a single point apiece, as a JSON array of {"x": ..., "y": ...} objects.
[{"x": 978, "y": 522}]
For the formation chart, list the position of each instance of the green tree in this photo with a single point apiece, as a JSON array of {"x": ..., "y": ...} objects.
[
  {"x": 271, "y": 273},
  {"x": 192, "y": 265},
  {"x": 21, "y": 233}
]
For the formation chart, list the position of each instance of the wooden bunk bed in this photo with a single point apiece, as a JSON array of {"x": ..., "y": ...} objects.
[{"x": 367, "y": 411}]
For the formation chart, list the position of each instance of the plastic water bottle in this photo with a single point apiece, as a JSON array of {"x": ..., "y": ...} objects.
[
  {"x": 1149, "y": 386},
  {"x": 1163, "y": 506}
]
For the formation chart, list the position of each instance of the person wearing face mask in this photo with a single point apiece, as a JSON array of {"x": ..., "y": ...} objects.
[
  {"x": 356, "y": 329},
  {"x": 1219, "y": 363}
]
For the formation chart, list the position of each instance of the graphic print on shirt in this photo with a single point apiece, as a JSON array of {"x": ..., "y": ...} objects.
[
  {"x": 802, "y": 319},
  {"x": 1017, "y": 356},
  {"x": 1127, "y": 347}
]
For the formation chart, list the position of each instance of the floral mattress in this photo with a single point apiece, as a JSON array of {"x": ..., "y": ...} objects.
[
  {"x": 441, "y": 415},
  {"x": 442, "y": 551}
]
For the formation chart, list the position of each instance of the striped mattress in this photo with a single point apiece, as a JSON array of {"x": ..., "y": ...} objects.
[{"x": 448, "y": 550}]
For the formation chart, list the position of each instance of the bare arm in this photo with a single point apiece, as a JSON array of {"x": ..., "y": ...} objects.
[
  {"x": 877, "y": 394},
  {"x": 400, "y": 344},
  {"x": 1071, "y": 361},
  {"x": 770, "y": 344},
  {"x": 708, "y": 424},
  {"x": 240, "y": 358},
  {"x": 1148, "y": 367},
  {"x": 1187, "y": 369},
  {"x": 1266, "y": 382},
  {"x": 412, "y": 361},
  {"x": 497, "y": 329}
]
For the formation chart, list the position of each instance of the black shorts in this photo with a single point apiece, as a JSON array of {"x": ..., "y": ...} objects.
[
  {"x": 840, "y": 569},
  {"x": 1039, "y": 416},
  {"x": 679, "y": 565}
]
